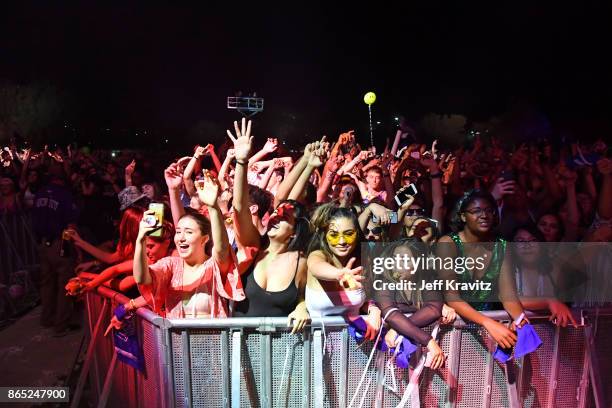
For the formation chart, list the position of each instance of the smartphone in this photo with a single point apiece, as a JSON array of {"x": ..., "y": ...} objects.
[
  {"x": 404, "y": 193},
  {"x": 392, "y": 218},
  {"x": 158, "y": 208}
]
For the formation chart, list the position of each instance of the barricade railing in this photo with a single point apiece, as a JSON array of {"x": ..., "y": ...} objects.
[{"x": 256, "y": 362}]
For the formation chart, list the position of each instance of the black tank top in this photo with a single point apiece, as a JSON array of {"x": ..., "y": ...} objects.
[{"x": 262, "y": 303}]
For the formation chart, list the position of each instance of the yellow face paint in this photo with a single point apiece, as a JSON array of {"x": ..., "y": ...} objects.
[{"x": 333, "y": 237}]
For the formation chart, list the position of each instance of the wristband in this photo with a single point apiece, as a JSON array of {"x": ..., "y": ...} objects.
[
  {"x": 120, "y": 312},
  {"x": 243, "y": 163}
]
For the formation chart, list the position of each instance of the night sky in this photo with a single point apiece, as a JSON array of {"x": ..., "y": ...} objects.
[{"x": 169, "y": 68}]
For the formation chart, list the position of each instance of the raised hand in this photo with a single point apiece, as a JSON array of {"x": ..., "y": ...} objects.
[
  {"x": 243, "y": 141},
  {"x": 271, "y": 145},
  {"x": 350, "y": 277},
  {"x": 173, "y": 176},
  {"x": 129, "y": 169},
  {"x": 208, "y": 149},
  {"x": 145, "y": 228},
  {"x": 208, "y": 189},
  {"x": 231, "y": 153},
  {"x": 199, "y": 152},
  {"x": 320, "y": 155},
  {"x": 502, "y": 188},
  {"x": 428, "y": 162}
]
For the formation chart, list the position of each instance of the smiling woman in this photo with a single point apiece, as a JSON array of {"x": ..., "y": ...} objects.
[
  {"x": 334, "y": 281},
  {"x": 192, "y": 285}
]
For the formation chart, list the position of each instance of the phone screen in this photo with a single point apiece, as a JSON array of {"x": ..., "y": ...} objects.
[
  {"x": 404, "y": 193},
  {"x": 159, "y": 214}
]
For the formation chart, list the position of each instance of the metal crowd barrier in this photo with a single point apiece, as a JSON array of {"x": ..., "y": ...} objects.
[
  {"x": 256, "y": 362},
  {"x": 17, "y": 244}
]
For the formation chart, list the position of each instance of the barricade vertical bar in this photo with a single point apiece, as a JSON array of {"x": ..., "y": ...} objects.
[
  {"x": 169, "y": 383},
  {"x": 162, "y": 348},
  {"x": 453, "y": 367},
  {"x": 593, "y": 369},
  {"x": 89, "y": 357},
  {"x": 306, "y": 358},
  {"x": 344, "y": 368},
  {"x": 225, "y": 361},
  {"x": 318, "y": 369},
  {"x": 108, "y": 383},
  {"x": 488, "y": 375},
  {"x": 265, "y": 342},
  {"x": 584, "y": 380},
  {"x": 380, "y": 378},
  {"x": 520, "y": 378},
  {"x": 186, "y": 366},
  {"x": 236, "y": 367},
  {"x": 552, "y": 388}
]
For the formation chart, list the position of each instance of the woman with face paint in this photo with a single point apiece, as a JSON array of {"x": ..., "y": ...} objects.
[
  {"x": 334, "y": 275},
  {"x": 275, "y": 276},
  {"x": 474, "y": 220}
]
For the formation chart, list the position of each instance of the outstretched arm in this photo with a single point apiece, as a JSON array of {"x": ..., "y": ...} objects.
[
  {"x": 270, "y": 146},
  {"x": 174, "y": 182},
  {"x": 246, "y": 232},
  {"x": 142, "y": 275},
  {"x": 208, "y": 192}
]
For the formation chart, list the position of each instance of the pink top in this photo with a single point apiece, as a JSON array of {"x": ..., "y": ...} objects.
[{"x": 207, "y": 294}]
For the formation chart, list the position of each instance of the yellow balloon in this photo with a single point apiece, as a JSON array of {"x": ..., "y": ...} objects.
[{"x": 369, "y": 98}]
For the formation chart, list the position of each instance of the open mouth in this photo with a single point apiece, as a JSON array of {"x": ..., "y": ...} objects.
[{"x": 183, "y": 247}]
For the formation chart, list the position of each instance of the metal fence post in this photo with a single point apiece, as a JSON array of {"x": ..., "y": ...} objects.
[
  {"x": 318, "y": 369},
  {"x": 236, "y": 367},
  {"x": 90, "y": 354},
  {"x": 186, "y": 367},
  {"x": 108, "y": 383},
  {"x": 552, "y": 388}
]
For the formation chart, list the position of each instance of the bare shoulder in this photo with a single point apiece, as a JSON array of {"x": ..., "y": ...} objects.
[
  {"x": 445, "y": 238},
  {"x": 315, "y": 255}
]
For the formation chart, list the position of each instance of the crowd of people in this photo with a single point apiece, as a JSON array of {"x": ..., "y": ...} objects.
[{"x": 248, "y": 232}]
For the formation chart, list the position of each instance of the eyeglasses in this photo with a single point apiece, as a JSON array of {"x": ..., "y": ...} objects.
[
  {"x": 478, "y": 212},
  {"x": 415, "y": 211},
  {"x": 526, "y": 243},
  {"x": 333, "y": 237},
  {"x": 375, "y": 230}
]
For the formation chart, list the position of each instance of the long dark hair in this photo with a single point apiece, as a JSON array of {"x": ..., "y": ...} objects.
[
  {"x": 469, "y": 197},
  {"x": 319, "y": 223},
  {"x": 301, "y": 228}
]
